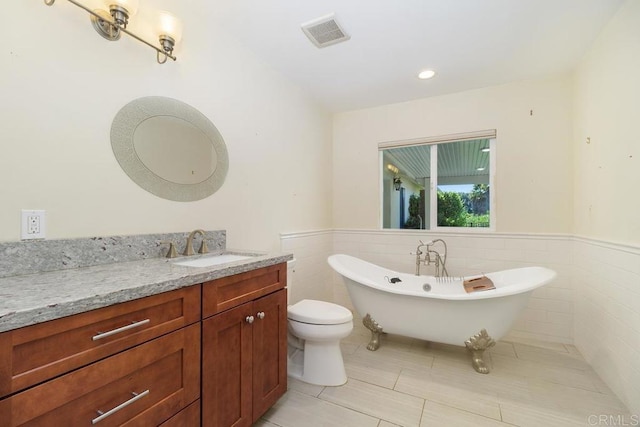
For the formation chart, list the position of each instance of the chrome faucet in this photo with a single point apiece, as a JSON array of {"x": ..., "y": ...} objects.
[
  {"x": 432, "y": 256},
  {"x": 203, "y": 248}
]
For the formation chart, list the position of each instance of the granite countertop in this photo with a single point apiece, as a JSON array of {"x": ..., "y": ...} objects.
[{"x": 33, "y": 298}]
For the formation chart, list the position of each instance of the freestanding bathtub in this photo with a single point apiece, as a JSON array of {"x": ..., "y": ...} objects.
[{"x": 438, "y": 309}]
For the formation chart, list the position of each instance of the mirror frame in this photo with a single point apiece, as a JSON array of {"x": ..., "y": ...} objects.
[{"x": 122, "y": 133}]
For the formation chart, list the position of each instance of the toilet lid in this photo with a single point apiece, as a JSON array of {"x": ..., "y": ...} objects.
[{"x": 318, "y": 312}]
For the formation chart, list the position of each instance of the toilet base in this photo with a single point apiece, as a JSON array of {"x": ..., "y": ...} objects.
[
  {"x": 320, "y": 363},
  {"x": 295, "y": 363}
]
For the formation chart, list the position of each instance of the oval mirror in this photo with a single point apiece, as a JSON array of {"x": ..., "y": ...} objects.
[{"x": 169, "y": 148}]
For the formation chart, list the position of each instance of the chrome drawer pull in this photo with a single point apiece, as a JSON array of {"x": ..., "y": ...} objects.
[
  {"x": 117, "y": 331},
  {"x": 249, "y": 319},
  {"x": 260, "y": 315},
  {"x": 104, "y": 415}
]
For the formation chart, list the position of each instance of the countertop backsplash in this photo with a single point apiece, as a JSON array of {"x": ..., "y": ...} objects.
[{"x": 37, "y": 256}]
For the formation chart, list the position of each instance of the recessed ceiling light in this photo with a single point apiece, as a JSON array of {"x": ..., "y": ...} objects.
[{"x": 426, "y": 74}]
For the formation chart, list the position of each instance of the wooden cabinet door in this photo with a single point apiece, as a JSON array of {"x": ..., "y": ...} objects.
[
  {"x": 269, "y": 351},
  {"x": 227, "y": 368}
]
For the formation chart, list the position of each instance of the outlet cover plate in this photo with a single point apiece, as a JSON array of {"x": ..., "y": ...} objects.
[{"x": 32, "y": 226}]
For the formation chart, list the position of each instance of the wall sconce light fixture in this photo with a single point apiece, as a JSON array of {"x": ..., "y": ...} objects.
[
  {"x": 112, "y": 23},
  {"x": 397, "y": 183}
]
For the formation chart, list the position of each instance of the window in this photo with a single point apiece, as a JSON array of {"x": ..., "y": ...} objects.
[{"x": 439, "y": 183}]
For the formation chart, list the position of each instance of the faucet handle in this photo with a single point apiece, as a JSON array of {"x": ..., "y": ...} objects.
[
  {"x": 203, "y": 247},
  {"x": 171, "y": 253},
  {"x": 188, "y": 250}
]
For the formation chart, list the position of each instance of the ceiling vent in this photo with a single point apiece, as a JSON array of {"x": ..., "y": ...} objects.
[{"x": 325, "y": 31}]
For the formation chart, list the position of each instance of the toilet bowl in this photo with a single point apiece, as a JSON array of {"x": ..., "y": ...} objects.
[{"x": 314, "y": 334}]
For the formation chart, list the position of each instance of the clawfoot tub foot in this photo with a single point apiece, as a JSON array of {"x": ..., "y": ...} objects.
[
  {"x": 375, "y": 329},
  {"x": 477, "y": 344}
]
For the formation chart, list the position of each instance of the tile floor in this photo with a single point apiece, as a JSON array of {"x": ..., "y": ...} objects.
[{"x": 410, "y": 382}]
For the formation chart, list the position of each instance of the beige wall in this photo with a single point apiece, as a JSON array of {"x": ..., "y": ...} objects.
[
  {"x": 607, "y": 183},
  {"x": 607, "y": 110},
  {"x": 61, "y": 86},
  {"x": 533, "y": 151}
]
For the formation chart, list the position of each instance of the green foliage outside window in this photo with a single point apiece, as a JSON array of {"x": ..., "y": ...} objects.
[
  {"x": 464, "y": 209},
  {"x": 414, "y": 211},
  {"x": 451, "y": 210}
]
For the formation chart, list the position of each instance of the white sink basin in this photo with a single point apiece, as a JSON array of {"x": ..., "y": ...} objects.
[{"x": 212, "y": 260}]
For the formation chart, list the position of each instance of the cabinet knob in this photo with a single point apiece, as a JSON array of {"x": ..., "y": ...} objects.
[
  {"x": 249, "y": 319},
  {"x": 260, "y": 315}
]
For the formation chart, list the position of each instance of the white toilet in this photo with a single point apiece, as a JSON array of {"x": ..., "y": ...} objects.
[{"x": 315, "y": 330}]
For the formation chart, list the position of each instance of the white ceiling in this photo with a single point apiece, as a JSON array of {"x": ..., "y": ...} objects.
[{"x": 469, "y": 43}]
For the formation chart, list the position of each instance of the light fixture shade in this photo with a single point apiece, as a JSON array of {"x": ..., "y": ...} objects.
[
  {"x": 130, "y": 5},
  {"x": 169, "y": 25},
  {"x": 426, "y": 74}
]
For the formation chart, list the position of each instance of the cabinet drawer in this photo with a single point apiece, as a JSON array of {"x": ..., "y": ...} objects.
[
  {"x": 143, "y": 386},
  {"x": 34, "y": 354},
  {"x": 228, "y": 292},
  {"x": 188, "y": 417}
]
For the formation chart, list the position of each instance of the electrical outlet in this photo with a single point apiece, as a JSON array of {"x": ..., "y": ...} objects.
[{"x": 32, "y": 224}]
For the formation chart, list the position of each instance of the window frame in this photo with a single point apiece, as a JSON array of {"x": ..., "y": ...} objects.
[{"x": 490, "y": 134}]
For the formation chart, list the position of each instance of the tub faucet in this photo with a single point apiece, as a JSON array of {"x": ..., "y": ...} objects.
[
  {"x": 203, "y": 248},
  {"x": 418, "y": 254},
  {"x": 432, "y": 256}
]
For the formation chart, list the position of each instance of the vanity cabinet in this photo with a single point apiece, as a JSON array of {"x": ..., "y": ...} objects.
[
  {"x": 188, "y": 417},
  {"x": 138, "y": 362},
  {"x": 244, "y": 346},
  {"x": 34, "y": 354},
  {"x": 143, "y": 386},
  {"x": 213, "y": 354}
]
